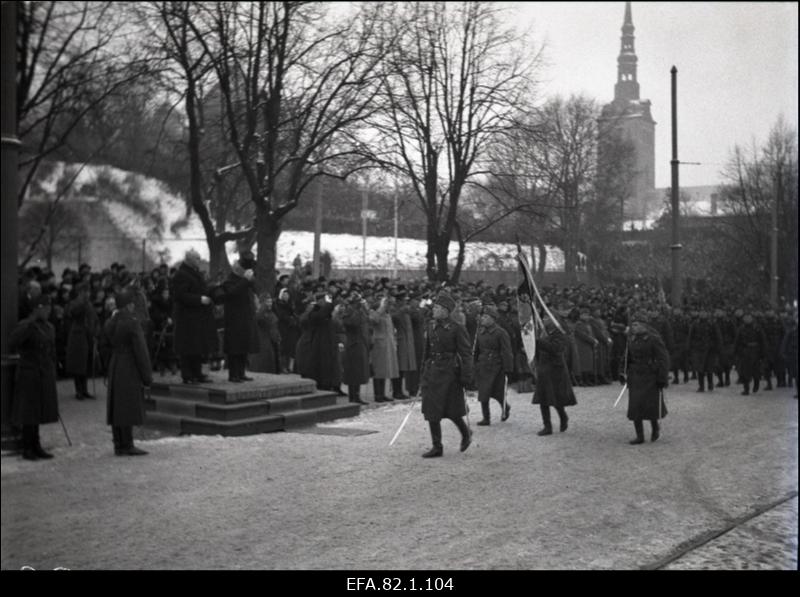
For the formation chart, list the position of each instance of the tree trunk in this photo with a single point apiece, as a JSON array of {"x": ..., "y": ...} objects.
[
  {"x": 217, "y": 257},
  {"x": 542, "y": 265},
  {"x": 268, "y": 231}
]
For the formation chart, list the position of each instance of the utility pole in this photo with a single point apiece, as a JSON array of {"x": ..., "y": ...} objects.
[
  {"x": 773, "y": 257},
  {"x": 394, "y": 267},
  {"x": 677, "y": 290}
]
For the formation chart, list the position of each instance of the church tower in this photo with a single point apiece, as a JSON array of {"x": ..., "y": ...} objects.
[{"x": 629, "y": 117}]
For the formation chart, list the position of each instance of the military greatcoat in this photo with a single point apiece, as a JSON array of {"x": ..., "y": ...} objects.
[
  {"x": 494, "y": 360},
  {"x": 447, "y": 369},
  {"x": 648, "y": 368}
]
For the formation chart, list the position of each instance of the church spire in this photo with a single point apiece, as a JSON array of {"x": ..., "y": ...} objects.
[{"x": 627, "y": 87}]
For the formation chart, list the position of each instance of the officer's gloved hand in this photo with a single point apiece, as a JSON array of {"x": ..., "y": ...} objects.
[{"x": 622, "y": 378}]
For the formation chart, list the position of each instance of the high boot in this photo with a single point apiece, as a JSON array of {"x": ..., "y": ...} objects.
[
  {"x": 685, "y": 376},
  {"x": 397, "y": 389},
  {"x": 563, "y": 419},
  {"x": 379, "y": 385},
  {"x": 436, "y": 436},
  {"x": 655, "y": 430},
  {"x": 29, "y": 442},
  {"x": 353, "y": 394},
  {"x": 485, "y": 411},
  {"x": 710, "y": 378},
  {"x": 727, "y": 377},
  {"x": 675, "y": 377},
  {"x": 466, "y": 433},
  {"x": 701, "y": 380},
  {"x": 548, "y": 426},
  {"x": 506, "y": 411},
  {"x": 638, "y": 425},
  {"x": 746, "y": 391},
  {"x": 769, "y": 383},
  {"x": 755, "y": 385}
]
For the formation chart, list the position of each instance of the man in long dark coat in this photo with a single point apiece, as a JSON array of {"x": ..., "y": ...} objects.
[
  {"x": 647, "y": 375},
  {"x": 289, "y": 329},
  {"x": 241, "y": 336},
  {"x": 129, "y": 373},
  {"x": 749, "y": 348},
  {"x": 727, "y": 332},
  {"x": 193, "y": 318},
  {"x": 35, "y": 399},
  {"x": 773, "y": 360},
  {"x": 83, "y": 326},
  {"x": 447, "y": 370},
  {"x": 494, "y": 362},
  {"x": 355, "y": 319},
  {"x": 553, "y": 384},
  {"x": 679, "y": 355},
  {"x": 404, "y": 335},
  {"x": 417, "y": 317},
  {"x": 321, "y": 344},
  {"x": 704, "y": 345}
]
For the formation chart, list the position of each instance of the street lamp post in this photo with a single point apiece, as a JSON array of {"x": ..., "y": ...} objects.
[{"x": 675, "y": 248}]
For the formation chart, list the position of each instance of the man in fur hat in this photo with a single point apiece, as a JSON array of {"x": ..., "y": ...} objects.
[{"x": 447, "y": 370}]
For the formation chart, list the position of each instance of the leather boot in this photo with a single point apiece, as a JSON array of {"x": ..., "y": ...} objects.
[
  {"x": 675, "y": 377},
  {"x": 755, "y": 385},
  {"x": 37, "y": 447},
  {"x": 397, "y": 389},
  {"x": 563, "y": 419},
  {"x": 29, "y": 442},
  {"x": 701, "y": 380},
  {"x": 436, "y": 436},
  {"x": 655, "y": 430},
  {"x": 506, "y": 412},
  {"x": 727, "y": 378},
  {"x": 486, "y": 420},
  {"x": 746, "y": 391},
  {"x": 548, "y": 426},
  {"x": 379, "y": 385},
  {"x": 353, "y": 394},
  {"x": 466, "y": 434},
  {"x": 769, "y": 383},
  {"x": 710, "y": 377},
  {"x": 638, "y": 425}
]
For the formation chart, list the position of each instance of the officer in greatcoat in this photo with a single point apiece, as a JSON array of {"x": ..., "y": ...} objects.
[
  {"x": 130, "y": 373},
  {"x": 355, "y": 370},
  {"x": 553, "y": 383},
  {"x": 447, "y": 370},
  {"x": 749, "y": 348},
  {"x": 679, "y": 355},
  {"x": 704, "y": 345},
  {"x": 241, "y": 335},
  {"x": 727, "y": 332},
  {"x": 647, "y": 375},
  {"x": 35, "y": 400},
  {"x": 494, "y": 362},
  {"x": 193, "y": 318}
]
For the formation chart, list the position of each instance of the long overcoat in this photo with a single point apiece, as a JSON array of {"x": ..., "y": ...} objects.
[
  {"x": 749, "y": 348},
  {"x": 288, "y": 326},
  {"x": 355, "y": 365},
  {"x": 241, "y": 336},
  {"x": 265, "y": 360},
  {"x": 83, "y": 325},
  {"x": 406, "y": 357},
  {"x": 727, "y": 331},
  {"x": 648, "y": 366},
  {"x": 604, "y": 343},
  {"x": 447, "y": 369},
  {"x": 585, "y": 342},
  {"x": 553, "y": 384},
  {"x": 494, "y": 359},
  {"x": 129, "y": 371},
  {"x": 704, "y": 345},
  {"x": 321, "y": 362},
  {"x": 35, "y": 396},
  {"x": 680, "y": 342},
  {"x": 194, "y": 322},
  {"x": 789, "y": 350},
  {"x": 417, "y": 317},
  {"x": 383, "y": 353}
]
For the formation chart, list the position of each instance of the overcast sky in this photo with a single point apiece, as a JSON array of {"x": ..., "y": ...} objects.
[{"x": 737, "y": 69}]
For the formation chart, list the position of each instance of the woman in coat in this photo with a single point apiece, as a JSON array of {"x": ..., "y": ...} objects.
[
  {"x": 647, "y": 375},
  {"x": 553, "y": 383},
  {"x": 447, "y": 370},
  {"x": 269, "y": 338},
  {"x": 129, "y": 373},
  {"x": 355, "y": 319},
  {"x": 383, "y": 354},
  {"x": 83, "y": 326},
  {"x": 35, "y": 397},
  {"x": 289, "y": 329}
]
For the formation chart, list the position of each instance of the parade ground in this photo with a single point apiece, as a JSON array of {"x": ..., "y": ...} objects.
[{"x": 717, "y": 491}]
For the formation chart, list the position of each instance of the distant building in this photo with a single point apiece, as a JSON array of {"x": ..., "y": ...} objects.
[{"x": 630, "y": 117}]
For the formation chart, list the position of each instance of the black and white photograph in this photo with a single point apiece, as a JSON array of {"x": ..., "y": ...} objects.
[{"x": 403, "y": 296}]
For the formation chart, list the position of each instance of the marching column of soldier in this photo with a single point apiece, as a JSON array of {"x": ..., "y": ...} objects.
[{"x": 426, "y": 341}]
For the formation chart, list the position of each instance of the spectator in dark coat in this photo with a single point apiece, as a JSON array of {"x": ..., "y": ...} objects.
[
  {"x": 406, "y": 357},
  {"x": 789, "y": 352},
  {"x": 553, "y": 384},
  {"x": 494, "y": 362},
  {"x": 83, "y": 327},
  {"x": 289, "y": 329},
  {"x": 241, "y": 337},
  {"x": 129, "y": 374},
  {"x": 35, "y": 400},
  {"x": 193, "y": 318},
  {"x": 355, "y": 319},
  {"x": 679, "y": 356},
  {"x": 447, "y": 370},
  {"x": 749, "y": 348},
  {"x": 647, "y": 375},
  {"x": 417, "y": 316},
  {"x": 320, "y": 362},
  {"x": 727, "y": 331},
  {"x": 704, "y": 346},
  {"x": 269, "y": 339}
]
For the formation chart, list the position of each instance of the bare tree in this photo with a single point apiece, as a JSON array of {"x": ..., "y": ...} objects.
[
  {"x": 71, "y": 56},
  {"x": 455, "y": 79}
]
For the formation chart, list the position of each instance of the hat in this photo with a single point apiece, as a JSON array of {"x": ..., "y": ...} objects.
[
  {"x": 640, "y": 316},
  {"x": 490, "y": 310},
  {"x": 446, "y": 301},
  {"x": 124, "y": 298}
]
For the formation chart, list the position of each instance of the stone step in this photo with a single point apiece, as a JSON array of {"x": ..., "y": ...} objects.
[
  {"x": 221, "y": 391},
  {"x": 250, "y": 426},
  {"x": 240, "y": 410}
]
